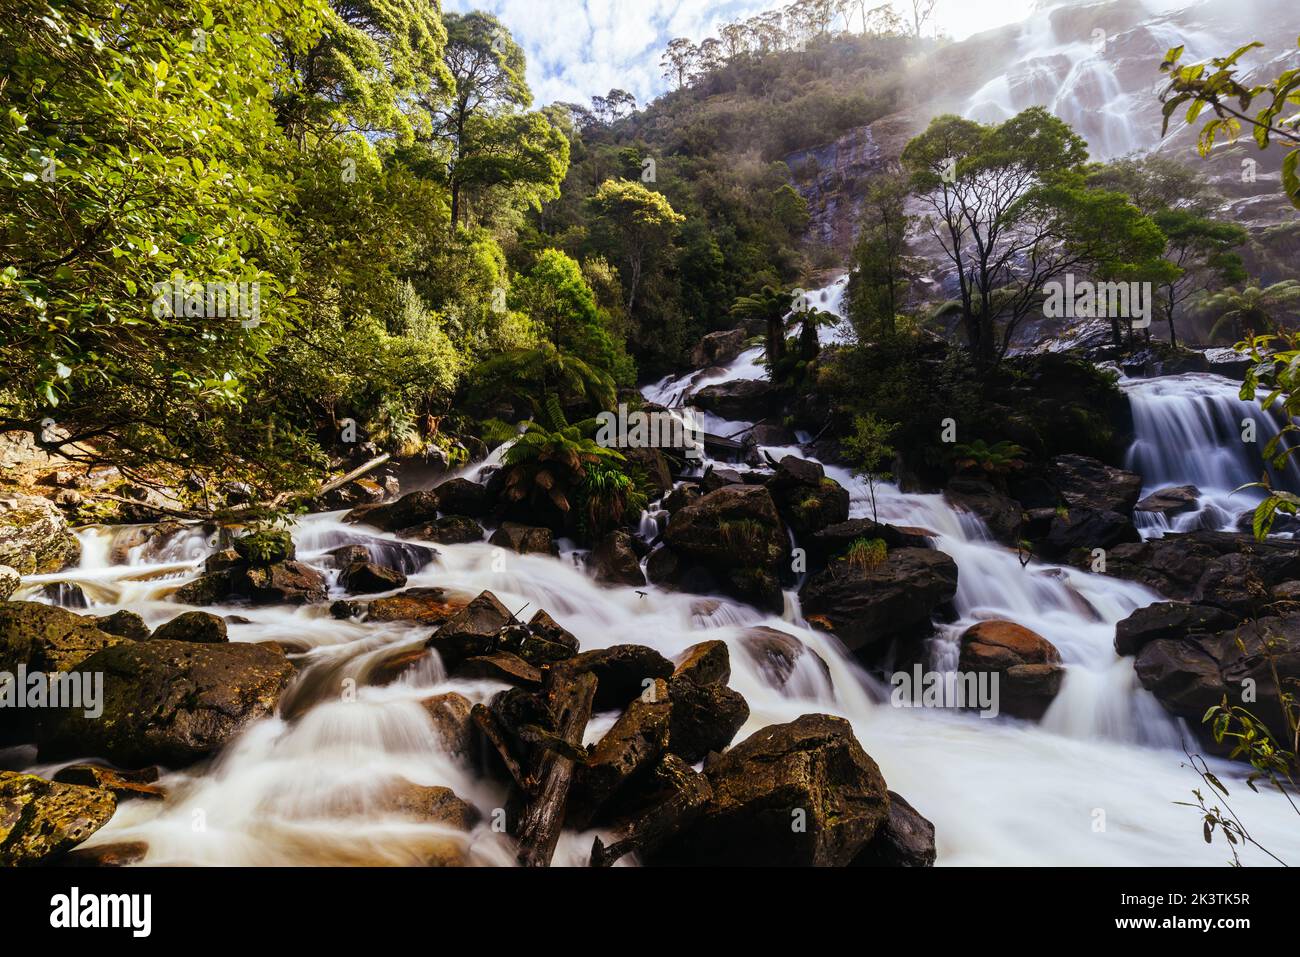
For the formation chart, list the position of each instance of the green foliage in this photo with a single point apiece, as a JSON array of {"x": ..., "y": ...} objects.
[
  {"x": 1252, "y": 311},
  {"x": 1274, "y": 381},
  {"x": 264, "y": 546},
  {"x": 999, "y": 459},
  {"x": 870, "y": 451},
  {"x": 1215, "y": 86},
  {"x": 866, "y": 554}
]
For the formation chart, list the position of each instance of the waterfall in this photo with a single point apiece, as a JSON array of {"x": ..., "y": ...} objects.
[
  {"x": 302, "y": 788},
  {"x": 1195, "y": 429}
]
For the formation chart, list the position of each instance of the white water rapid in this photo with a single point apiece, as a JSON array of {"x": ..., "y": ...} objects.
[{"x": 1093, "y": 784}]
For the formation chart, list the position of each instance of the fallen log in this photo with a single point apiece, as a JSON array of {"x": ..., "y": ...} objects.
[
  {"x": 569, "y": 698},
  {"x": 491, "y": 729}
]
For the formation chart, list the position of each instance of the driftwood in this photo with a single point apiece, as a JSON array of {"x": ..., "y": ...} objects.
[
  {"x": 352, "y": 476},
  {"x": 569, "y": 698},
  {"x": 687, "y": 792}
]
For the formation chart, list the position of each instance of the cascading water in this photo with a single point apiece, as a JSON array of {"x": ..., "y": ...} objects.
[
  {"x": 1196, "y": 430},
  {"x": 305, "y": 787}
]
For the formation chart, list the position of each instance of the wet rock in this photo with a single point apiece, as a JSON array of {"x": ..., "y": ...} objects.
[
  {"x": 867, "y": 607},
  {"x": 1194, "y": 673},
  {"x": 41, "y": 820},
  {"x": 448, "y": 530},
  {"x": 1172, "y": 501},
  {"x": 1089, "y": 485},
  {"x": 47, "y": 639},
  {"x": 287, "y": 583},
  {"x": 614, "y": 561},
  {"x": 811, "y": 772},
  {"x": 1168, "y": 620},
  {"x": 769, "y": 436},
  {"x": 367, "y": 578},
  {"x": 123, "y": 854},
  {"x": 543, "y": 642},
  {"x": 430, "y": 805},
  {"x": 34, "y": 536},
  {"x": 125, "y": 785},
  {"x": 634, "y": 744},
  {"x": 388, "y": 670},
  {"x": 1003, "y": 515},
  {"x": 168, "y": 702},
  {"x": 355, "y": 494},
  {"x": 1085, "y": 530},
  {"x": 462, "y": 497},
  {"x": 806, "y": 498},
  {"x": 655, "y": 465},
  {"x": 670, "y": 799},
  {"x": 665, "y": 567},
  {"x": 778, "y": 655},
  {"x": 124, "y": 624},
  {"x": 708, "y": 663},
  {"x": 622, "y": 672},
  {"x": 737, "y": 534},
  {"x": 688, "y": 493},
  {"x": 905, "y": 839},
  {"x": 9, "y": 582},
  {"x": 450, "y": 714},
  {"x": 1226, "y": 569},
  {"x": 195, "y": 626},
  {"x": 418, "y": 508},
  {"x": 473, "y": 631},
  {"x": 716, "y": 477},
  {"x": 836, "y": 540},
  {"x": 524, "y": 539},
  {"x": 1028, "y": 666},
  {"x": 424, "y": 606},
  {"x": 740, "y": 400},
  {"x": 718, "y": 348},
  {"x": 704, "y": 719}
]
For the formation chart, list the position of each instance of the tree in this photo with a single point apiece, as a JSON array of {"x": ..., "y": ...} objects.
[
  {"x": 487, "y": 138},
  {"x": 1215, "y": 86},
  {"x": 362, "y": 72},
  {"x": 880, "y": 262},
  {"x": 680, "y": 60},
  {"x": 1202, "y": 249},
  {"x": 870, "y": 450},
  {"x": 1010, "y": 208},
  {"x": 127, "y": 175},
  {"x": 1254, "y": 311},
  {"x": 769, "y": 306},
  {"x": 640, "y": 223},
  {"x": 922, "y": 12}
]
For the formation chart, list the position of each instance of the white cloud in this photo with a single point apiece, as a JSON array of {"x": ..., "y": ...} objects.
[{"x": 578, "y": 49}]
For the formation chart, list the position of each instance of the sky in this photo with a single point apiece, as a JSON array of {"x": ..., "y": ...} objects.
[{"x": 578, "y": 49}]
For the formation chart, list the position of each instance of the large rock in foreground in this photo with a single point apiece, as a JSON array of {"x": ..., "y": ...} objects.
[
  {"x": 34, "y": 536},
  {"x": 866, "y": 606},
  {"x": 41, "y": 820},
  {"x": 797, "y": 794},
  {"x": 168, "y": 702}
]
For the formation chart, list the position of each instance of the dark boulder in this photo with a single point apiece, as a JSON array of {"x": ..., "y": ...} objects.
[
  {"x": 448, "y": 530},
  {"x": 168, "y": 702},
  {"x": 718, "y": 348},
  {"x": 1168, "y": 620},
  {"x": 806, "y": 498},
  {"x": 194, "y": 626},
  {"x": 1089, "y": 485},
  {"x": 417, "y": 508},
  {"x": 1086, "y": 530},
  {"x": 48, "y": 639},
  {"x": 124, "y": 624},
  {"x": 460, "y": 496},
  {"x": 286, "y": 583},
  {"x": 622, "y": 672},
  {"x": 473, "y": 631},
  {"x": 906, "y": 839},
  {"x": 867, "y": 607},
  {"x": 630, "y": 748},
  {"x": 524, "y": 539},
  {"x": 747, "y": 400},
  {"x": 708, "y": 663},
  {"x": 1003, "y": 515},
  {"x": 797, "y": 794},
  {"x": 705, "y": 717},
  {"x": 34, "y": 536},
  {"x": 367, "y": 578},
  {"x": 779, "y": 655},
  {"x": 614, "y": 561},
  {"x": 1171, "y": 501}
]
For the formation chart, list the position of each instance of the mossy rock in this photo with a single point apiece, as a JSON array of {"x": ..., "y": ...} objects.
[
  {"x": 34, "y": 536},
  {"x": 41, "y": 820}
]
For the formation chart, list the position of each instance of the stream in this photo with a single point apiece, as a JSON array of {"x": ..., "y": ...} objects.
[{"x": 1095, "y": 783}]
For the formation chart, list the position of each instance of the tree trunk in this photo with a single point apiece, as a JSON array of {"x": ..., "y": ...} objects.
[{"x": 569, "y": 698}]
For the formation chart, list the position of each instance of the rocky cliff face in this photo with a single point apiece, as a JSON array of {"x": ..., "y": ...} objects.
[{"x": 1095, "y": 65}]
